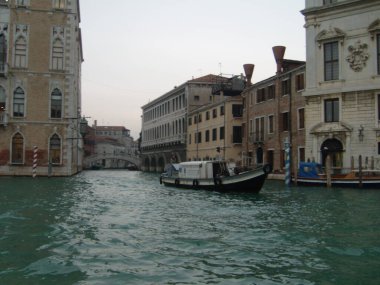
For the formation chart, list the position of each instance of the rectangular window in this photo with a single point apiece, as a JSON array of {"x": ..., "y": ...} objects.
[
  {"x": 237, "y": 134},
  {"x": 221, "y": 133},
  {"x": 300, "y": 82},
  {"x": 207, "y": 136},
  {"x": 237, "y": 110},
  {"x": 199, "y": 137},
  {"x": 260, "y": 97},
  {"x": 214, "y": 134},
  {"x": 189, "y": 139},
  {"x": 214, "y": 113},
  {"x": 332, "y": 110},
  {"x": 378, "y": 148},
  {"x": 199, "y": 118},
  {"x": 259, "y": 129},
  {"x": 207, "y": 115},
  {"x": 59, "y": 4},
  {"x": 301, "y": 118},
  {"x": 271, "y": 124},
  {"x": 195, "y": 119},
  {"x": 271, "y": 92},
  {"x": 190, "y": 123},
  {"x": 285, "y": 87},
  {"x": 331, "y": 60},
  {"x": 378, "y": 107},
  {"x": 222, "y": 110},
  {"x": 301, "y": 154},
  {"x": 3, "y": 53},
  {"x": 196, "y": 98},
  {"x": 378, "y": 54},
  {"x": 285, "y": 122}
]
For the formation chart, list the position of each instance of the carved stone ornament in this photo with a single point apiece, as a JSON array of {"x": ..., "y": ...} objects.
[{"x": 358, "y": 56}]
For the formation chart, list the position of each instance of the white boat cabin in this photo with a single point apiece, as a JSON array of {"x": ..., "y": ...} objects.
[{"x": 203, "y": 169}]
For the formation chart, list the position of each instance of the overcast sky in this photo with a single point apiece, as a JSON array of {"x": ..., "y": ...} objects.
[{"x": 136, "y": 51}]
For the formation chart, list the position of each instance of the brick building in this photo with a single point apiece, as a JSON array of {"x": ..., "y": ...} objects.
[
  {"x": 40, "y": 89},
  {"x": 273, "y": 113}
]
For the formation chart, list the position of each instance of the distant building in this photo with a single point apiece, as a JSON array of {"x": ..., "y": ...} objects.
[
  {"x": 215, "y": 130},
  {"x": 110, "y": 147},
  {"x": 164, "y": 122},
  {"x": 343, "y": 82},
  {"x": 273, "y": 114},
  {"x": 40, "y": 89}
]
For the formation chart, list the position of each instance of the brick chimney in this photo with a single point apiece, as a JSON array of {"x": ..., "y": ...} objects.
[{"x": 279, "y": 52}]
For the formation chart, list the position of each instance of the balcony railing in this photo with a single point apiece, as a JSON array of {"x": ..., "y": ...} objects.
[{"x": 176, "y": 138}]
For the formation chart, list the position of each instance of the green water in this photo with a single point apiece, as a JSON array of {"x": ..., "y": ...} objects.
[{"x": 118, "y": 227}]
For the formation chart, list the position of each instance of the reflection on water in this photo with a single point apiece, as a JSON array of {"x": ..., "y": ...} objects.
[{"x": 118, "y": 227}]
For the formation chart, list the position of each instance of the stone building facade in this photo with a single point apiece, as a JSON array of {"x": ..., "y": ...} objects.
[
  {"x": 343, "y": 82},
  {"x": 273, "y": 114},
  {"x": 215, "y": 131},
  {"x": 164, "y": 122},
  {"x": 40, "y": 88}
]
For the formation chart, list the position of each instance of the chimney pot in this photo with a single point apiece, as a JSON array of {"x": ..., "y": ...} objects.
[
  {"x": 279, "y": 52},
  {"x": 248, "y": 70}
]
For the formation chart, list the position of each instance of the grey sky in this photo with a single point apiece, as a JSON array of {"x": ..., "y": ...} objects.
[{"x": 136, "y": 51}]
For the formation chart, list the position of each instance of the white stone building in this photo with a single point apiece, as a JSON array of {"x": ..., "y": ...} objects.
[
  {"x": 164, "y": 122},
  {"x": 342, "y": 112}
]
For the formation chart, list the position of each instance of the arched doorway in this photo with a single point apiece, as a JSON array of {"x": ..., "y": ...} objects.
[{"x": 334, "y": 148}]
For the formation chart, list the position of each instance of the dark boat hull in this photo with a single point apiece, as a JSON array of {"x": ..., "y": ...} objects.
[{"x": 250, "y": 181}]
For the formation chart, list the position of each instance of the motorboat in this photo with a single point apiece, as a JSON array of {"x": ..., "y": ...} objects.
[
  {"x": 312, "y": 173},
  {"x": 215, "y": 175}
]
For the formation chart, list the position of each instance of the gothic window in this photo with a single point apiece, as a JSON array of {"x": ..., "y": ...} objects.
[
  {"x": 20, "y": 52},
  {"x": 17, "y": 149},
  {"x": 18, "y": 102},
  {"x": 331, "y": 61},
  {"x": 56, "y": 104},
  {"x": 332, "y": 110},
  {"x": 57, "y": 55},
  {"x": 2, "y": 99},
  {"x": 55, "y": 149},
  {"x": 3, "y": 52}
]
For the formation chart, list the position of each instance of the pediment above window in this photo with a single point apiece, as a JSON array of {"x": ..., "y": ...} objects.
[
  {"x": 374, "y": 28},
  {"x": 331, "y": 128},
  {"x": 330, "y": 35}
]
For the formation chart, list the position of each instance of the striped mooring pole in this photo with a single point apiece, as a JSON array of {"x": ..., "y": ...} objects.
[
  {"x": 35, "y": 150},
  {"x": 288, "y": 178}
]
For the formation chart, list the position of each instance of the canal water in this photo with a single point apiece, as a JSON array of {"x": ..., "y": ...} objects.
[{"x": 119, "y": 227}]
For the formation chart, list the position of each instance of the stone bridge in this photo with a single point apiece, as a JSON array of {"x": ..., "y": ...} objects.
[{"x": 111, "y": 160}]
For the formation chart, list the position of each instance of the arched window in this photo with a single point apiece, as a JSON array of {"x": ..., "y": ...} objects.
[
  {"x": 3, "y": 52},
  {"x": 18, "y": 102},
  {"x": 17, "y": 149},
  {"x": 2, "y": 99},
  {"x": 20, "y": 52},
  {"x": 56, "y": 104},
  {"x": 57, "y": 55},
  {"x": 55, "y": 149}
]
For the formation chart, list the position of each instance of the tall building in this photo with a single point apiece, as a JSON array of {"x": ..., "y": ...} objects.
[
  {"x": 40, "y": 87},
  {"x": 164, "y": 122},
  {"x": 343, "y": 82},
  {"x": 274, "y": 114},
  {"x": 214, "y": 131}
]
